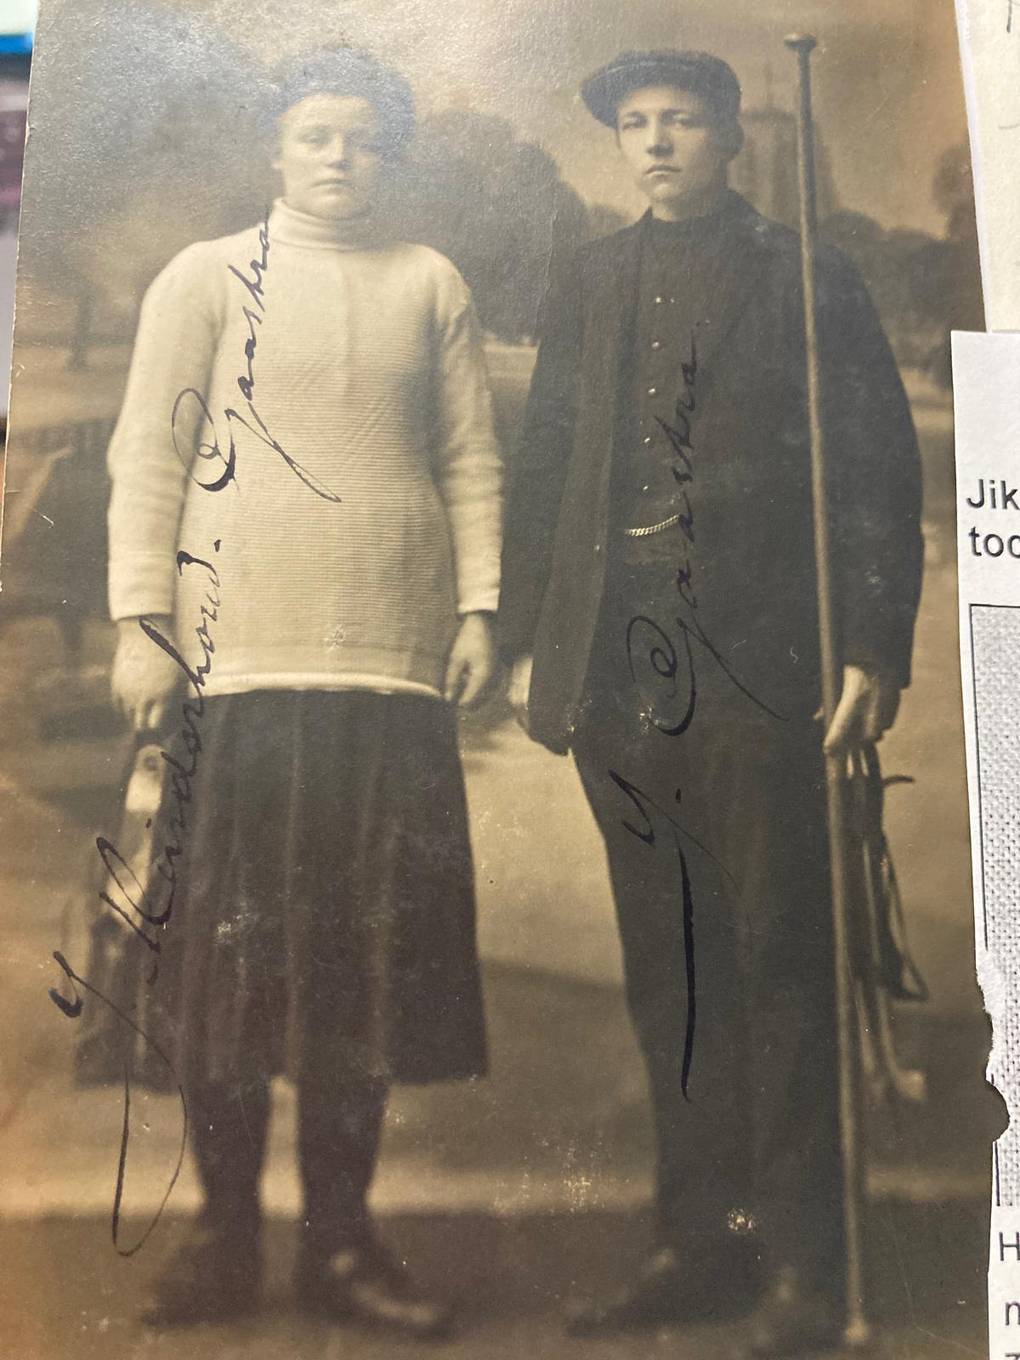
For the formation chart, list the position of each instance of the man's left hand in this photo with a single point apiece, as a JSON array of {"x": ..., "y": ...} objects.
[
  {"x": 472, "y": 662},
  {"x": 867, "y": 707}
]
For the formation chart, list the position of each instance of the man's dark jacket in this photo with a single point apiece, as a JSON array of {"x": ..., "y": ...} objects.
[{"x": 753, "y": 554}]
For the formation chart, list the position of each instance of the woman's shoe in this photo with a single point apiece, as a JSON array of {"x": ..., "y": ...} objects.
[{"x": 214, "y": 1276}]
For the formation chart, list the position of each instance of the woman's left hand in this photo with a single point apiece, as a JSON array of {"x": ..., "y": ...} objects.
[{"x": 472, "y": 661}]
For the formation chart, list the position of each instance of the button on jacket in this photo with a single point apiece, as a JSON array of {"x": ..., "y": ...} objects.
[{"x": 750, "y": 455}]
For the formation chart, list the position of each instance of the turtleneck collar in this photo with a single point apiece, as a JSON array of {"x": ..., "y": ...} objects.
[{"x": 292, "y": 228}]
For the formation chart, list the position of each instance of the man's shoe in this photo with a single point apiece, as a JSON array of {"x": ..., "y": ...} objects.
[
  {"x": 793, "y": 1319},
  {"x": 214, "y": 1276},
  {"x": 667, "y": 1288},
  {"x": 364, "y": 1283}
]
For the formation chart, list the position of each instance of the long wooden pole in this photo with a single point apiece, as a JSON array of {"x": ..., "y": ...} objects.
[{"x": 857, "y": 1330}]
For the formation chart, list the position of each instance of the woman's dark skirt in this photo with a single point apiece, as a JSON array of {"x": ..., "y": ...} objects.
[{"x": 323, "y": 918}]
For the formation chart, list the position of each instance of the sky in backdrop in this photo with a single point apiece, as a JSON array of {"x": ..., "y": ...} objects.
[{"x": 888, "y": 89}]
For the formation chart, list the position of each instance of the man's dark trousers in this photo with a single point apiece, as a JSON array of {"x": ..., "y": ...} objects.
[{"x": 741, "y": 794}]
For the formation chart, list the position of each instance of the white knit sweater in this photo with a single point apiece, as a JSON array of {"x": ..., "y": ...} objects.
[{"x": 347, "y": 565}]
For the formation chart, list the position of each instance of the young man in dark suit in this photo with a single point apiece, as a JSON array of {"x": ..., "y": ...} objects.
[{"x": 660, "y": 612}]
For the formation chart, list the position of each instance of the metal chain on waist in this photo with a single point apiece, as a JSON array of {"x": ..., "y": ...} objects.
[{"x": 653, "y": 528}]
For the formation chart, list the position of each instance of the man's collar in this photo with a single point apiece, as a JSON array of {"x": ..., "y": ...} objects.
[{"x": 729, "y": 208}]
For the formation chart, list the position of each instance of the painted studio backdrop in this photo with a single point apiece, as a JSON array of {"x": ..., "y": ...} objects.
[{"x": 147, "y": 135}]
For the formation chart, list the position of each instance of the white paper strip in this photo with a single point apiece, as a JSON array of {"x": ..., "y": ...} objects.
[
  {"x": 990, "y": 51},
  {"x": 986, "y": 379}
]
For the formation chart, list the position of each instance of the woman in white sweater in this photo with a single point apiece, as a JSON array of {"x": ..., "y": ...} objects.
[{"x": 304, "y": 561}]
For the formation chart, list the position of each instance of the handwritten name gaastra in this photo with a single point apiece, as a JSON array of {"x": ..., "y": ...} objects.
[
  {"x": 664, "y": 672},
  {"x": 663, "y": 657},
  {"x": 210, "y": 449},
  {"x": 664, "y": 663}
]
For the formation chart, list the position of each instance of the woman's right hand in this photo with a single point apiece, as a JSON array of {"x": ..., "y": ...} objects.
[{"x": 144, "y": 677}]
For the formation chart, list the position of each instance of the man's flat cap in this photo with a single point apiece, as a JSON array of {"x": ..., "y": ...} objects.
[{"x": 698, "y": 72}]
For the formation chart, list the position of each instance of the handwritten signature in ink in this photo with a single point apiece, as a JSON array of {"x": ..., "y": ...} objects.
[
  {"x": 645, "y": 832},
  {"x": 657, "y": 662},
  {"x": 191, "y": 421},
  {"x": 145, "y": 909},
  {"x": 669, "y": 668}
]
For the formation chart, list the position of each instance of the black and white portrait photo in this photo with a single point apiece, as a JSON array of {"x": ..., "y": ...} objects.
[{"x": 486, "y": 864}]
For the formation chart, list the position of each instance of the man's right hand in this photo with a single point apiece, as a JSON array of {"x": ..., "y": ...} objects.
[
  {"x": 520, "y": 688},
  {"x": 144, "y": 678}
]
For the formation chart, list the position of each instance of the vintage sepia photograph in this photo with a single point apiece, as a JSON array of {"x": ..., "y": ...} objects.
[{"x": 485, "y": 857}]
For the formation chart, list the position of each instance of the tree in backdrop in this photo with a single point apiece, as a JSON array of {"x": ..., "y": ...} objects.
[
  {"x": 961, "y": 276},
  {"x": 924, "y": 286},
  {"x": 497, "y": 207},
  {"x": 130, "y": 160},
  {"x": 148, "y": 157}
]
